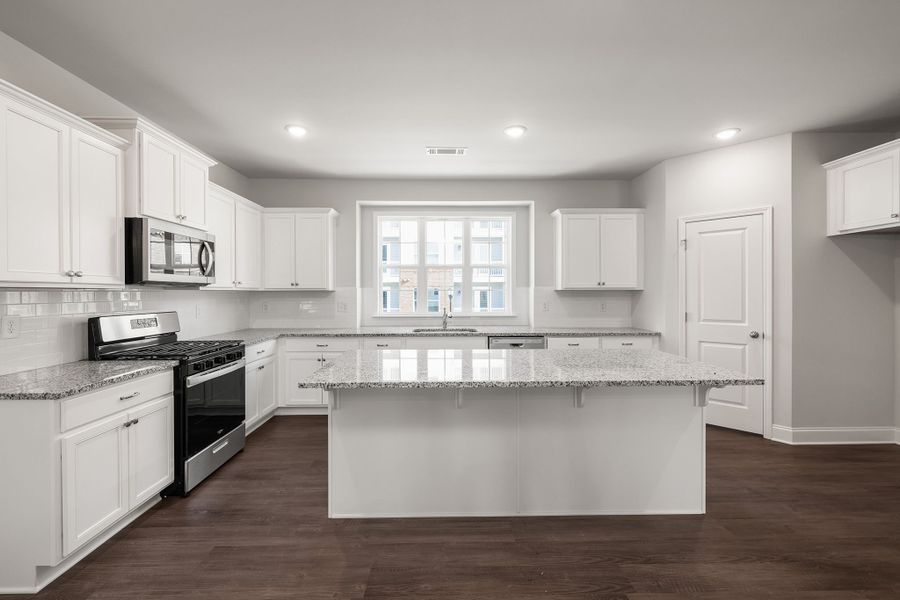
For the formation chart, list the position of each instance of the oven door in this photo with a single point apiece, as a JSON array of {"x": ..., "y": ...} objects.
[{"x": 214, "y": 405}]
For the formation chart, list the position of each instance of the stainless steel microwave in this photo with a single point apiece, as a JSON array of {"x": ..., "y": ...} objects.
[{"x": 161, "y": 253}]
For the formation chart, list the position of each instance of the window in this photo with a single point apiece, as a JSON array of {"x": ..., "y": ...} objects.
[{"x": 458, "y": 263}]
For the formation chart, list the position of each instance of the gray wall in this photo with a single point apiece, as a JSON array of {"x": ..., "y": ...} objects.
[
  {"x": 843, "y": 301},
  {"x": 648, "y": 191}
]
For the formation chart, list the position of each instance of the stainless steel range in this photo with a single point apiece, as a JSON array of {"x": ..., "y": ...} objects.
[{"x": 209, "y": 387}]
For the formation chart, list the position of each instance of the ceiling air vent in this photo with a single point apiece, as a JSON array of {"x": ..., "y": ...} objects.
[{"x": 445, "y": 151}]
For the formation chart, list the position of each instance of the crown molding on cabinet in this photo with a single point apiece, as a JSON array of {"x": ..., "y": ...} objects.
[
  {"x": 131, "y": 124},
  {"x": 13, "y": 92}
]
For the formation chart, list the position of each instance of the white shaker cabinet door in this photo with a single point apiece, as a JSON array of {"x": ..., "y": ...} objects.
[
  {"x": 279, "y": 252},
  {"x": 247, "y": 242},
  {"x": 94, "y": 479},
  {"x": 867, "y": 191},
  {"x": 151, "y": 444},
  {"x": 97, "y": 204},
  {"x": 160, "y": 163},
  {"x": 312, "y": 252},
  {"x": 266, "y": 386},
  {"x": 251, "y": 396},
  {"x": 193, "y": 192},
  {"x": 621, "y": 243},
  {"x": 34, "y": 196},
  {"x": 220, "y": 221},
  {"x": 580, "y": 246},
  {"x": 298, "y": 366}
]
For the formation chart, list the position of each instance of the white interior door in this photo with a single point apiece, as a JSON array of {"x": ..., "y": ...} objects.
[{"x": 725, "y": 305}]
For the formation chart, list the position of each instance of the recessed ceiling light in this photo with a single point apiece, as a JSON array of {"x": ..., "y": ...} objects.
[
  {"x": 515, "y": 131},
  {"x": 295, "y": 130},
  {"x": 727, "y": 134}
]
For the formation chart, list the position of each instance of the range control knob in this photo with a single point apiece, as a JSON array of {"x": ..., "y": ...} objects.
[
  {"x": 220, "y": 360},
  {"x": 197, "y": 366}
]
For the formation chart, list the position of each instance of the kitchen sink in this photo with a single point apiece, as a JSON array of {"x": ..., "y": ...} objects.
[{"x": 440, "y": 329}]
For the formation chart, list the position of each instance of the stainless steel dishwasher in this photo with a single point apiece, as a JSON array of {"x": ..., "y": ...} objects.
[{"x": 534, "y": 342}]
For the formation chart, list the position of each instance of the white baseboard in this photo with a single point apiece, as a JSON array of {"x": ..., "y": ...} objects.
[
  {"x": 835, "y": 435},
  {"x": 293, "y": 411}
]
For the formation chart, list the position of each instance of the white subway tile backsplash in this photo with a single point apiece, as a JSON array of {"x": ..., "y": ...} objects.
[{"x": 54, "y": 322}]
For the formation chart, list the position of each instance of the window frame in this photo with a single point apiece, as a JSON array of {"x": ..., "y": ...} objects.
[{"x": 467, "y": 267}]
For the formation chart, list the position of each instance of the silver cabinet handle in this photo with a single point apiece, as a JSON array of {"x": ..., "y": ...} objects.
[
  {"x": 895, "y": 215},
  {"x": 70, "y": 274},
  {"x": 754, "y": 334},
  {"x": 602, "y": 283},
  {"x": 382, "y": 345},
  {"x": 260, "y": 367},
  {"x": 574, "y": 345},
  {"x": 321, "y": 345},
  {"x": 131, "y": 422},
  {"x": 260, "y": 351},
  {"x": 79, "y": 273},
  {"x": 628, "y": 343},
  {"x": 130, "y": 396}
]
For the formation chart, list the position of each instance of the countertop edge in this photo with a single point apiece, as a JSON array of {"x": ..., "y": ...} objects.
[{"x": 88, "y": 386}]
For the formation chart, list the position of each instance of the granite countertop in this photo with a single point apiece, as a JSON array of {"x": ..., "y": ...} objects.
[
  {"x": 518, "y": 368},
  {"x": 256, "y": 336},
  {"x": 70, "y": 379}
]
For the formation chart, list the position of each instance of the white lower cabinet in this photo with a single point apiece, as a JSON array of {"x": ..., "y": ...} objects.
[
  {"x": 555, "y": 343},
  {"x": 95, "y": 480},
  {"x": 298, "y": 367},
  {"x": 261, "y": 400},
  {"x": 119, "y": 459}
]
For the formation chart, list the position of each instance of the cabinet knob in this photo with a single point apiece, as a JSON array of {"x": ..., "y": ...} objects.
[
  {"x": 754, "y": 334},
  {"x": 260, "y": 367},
  {"x": 79, "y": 273},
  {"x": 895, "y": 215},
  {"x": 602, "y": 283},
  {"x": 70, "y": 274}
]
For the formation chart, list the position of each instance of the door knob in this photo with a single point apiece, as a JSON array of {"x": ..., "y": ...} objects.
[{"x": 754, "y": 334}]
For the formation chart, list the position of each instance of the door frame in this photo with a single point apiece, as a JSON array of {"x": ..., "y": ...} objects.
[{"x": 766, "y": 213}]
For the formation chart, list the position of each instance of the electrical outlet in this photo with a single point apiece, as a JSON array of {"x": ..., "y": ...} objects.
[
  {"x": 342, "y": 307},
  {"x": 603, "y": 307},
  {"x": 10, "y": 327},
  {"x": 265, "y": 307},
  {"x": 546, "y": 307},
  {"x": 197, "y": 311}
]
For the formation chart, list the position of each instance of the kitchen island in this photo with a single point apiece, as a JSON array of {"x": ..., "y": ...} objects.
[{"x": 427, "y": 433}]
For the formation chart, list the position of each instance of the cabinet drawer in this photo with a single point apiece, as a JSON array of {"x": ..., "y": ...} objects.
[
  {"x": 383, "y": 343},
  {"x": 80, "y": 410},
  {"x": 573, "y": 342},
  {"x": 260, "y": 351},
  {"x": 636, "y": 342},
  {"x": 321, "y": 344}
]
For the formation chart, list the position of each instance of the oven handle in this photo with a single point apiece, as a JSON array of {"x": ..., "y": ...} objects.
[{"x": 202, "y": 377}]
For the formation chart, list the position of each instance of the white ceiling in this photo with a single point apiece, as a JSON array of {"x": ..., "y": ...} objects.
[{"x": 606, "y": 87}]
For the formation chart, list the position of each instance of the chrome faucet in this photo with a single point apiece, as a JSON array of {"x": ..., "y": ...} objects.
[{"x": 447, "y": 315}]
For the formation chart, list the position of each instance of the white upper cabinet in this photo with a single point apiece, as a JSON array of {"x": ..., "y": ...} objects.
[
  {"x": 247, "y": 242},
  {"x": 98, "y": 230},
  {"x": 60, "y": 196},
  {"x": 299, "y": 249},
  {"x": 165, "y": 177},
  {"x": 863, "y": 190},
  {"x": 599, "y": 249},
  {"x": 220, "y": 221}
]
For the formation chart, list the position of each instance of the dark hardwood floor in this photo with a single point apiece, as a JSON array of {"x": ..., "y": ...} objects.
[{"x": 783, "y": 522}]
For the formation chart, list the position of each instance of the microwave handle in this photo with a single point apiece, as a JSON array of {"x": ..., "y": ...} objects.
[{"x": 211, "y": 258}]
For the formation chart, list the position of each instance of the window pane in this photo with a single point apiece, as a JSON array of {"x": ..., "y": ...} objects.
[
  {"x": 440, "y": 284},
  {"x": 444, "y": 240},
  {"x": 490, "y": 240},
  {"x": 399, "y": 242},
  {"x": 398, "y": 289},
  {"x": 489, "y": 290}
]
